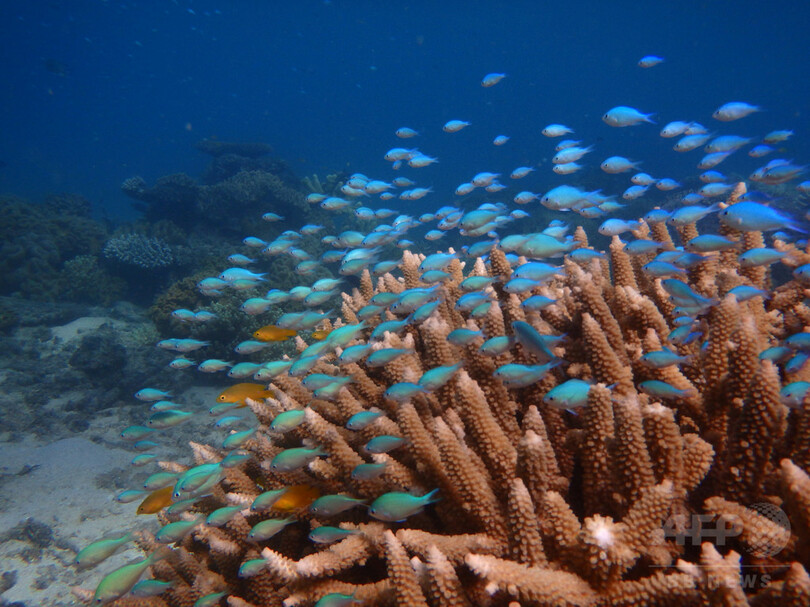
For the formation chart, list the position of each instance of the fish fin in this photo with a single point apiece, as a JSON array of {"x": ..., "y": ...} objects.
[{"x": 431, "y": 497}]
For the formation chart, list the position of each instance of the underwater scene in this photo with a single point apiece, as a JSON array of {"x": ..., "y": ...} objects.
[{"x": 444, "y": 304}]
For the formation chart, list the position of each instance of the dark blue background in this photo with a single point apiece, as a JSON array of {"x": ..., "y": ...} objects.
[{"x": 327, "y": 83}]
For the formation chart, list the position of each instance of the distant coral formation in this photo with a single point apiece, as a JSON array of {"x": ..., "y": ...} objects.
[
  {"x": 36, "y": 240},
  {"x": 138, "y": 250},
  {"x": 236, "y": 148},
  {"x": 239, "y": 183}
]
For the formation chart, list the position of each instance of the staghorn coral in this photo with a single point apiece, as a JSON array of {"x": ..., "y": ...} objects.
[{"x": 635, "y": 500}]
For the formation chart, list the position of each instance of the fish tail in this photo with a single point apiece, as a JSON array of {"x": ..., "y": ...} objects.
[
  {"x": 431, "y": 498},
  {"x": 161, "y": 553},
  {"x": 796, "y": 227}
]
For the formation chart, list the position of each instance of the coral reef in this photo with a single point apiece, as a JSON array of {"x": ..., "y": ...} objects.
[
  {"x": 235, "y": 202},
  {"x": 331, "y": 185},
  {"x": 63, "y": 363},
  {"x": 144, "y": 252},
  {"x": 83, "y": 280},
  {"x": 632, "y": 499},
  {"x": 224, "y": 167},
  {"x": 8, "y": 319},
  {"x": 173, "y": 197},
  {"x": 238, "y": 183},
  {"x": 235, "y": 148},
  {"x": 36, "y": 240}
]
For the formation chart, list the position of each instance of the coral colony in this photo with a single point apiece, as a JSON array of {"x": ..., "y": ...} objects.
[
  {"x": 596, "y": 505},
  {"x": 486, "y": 428}
]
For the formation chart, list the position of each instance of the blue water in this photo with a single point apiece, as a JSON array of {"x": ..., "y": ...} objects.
[{"x": 98, "y": 91}]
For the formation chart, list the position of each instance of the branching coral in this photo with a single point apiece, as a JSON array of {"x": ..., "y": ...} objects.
[{"x": 633, "y": 499}]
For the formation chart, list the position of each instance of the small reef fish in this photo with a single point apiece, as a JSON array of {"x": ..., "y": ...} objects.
[
  {"x": 650, "y": 61},
  {"x": 360, "y": 420},
  {"x": 151, "y": 394},
  {"x": 395, "y": 507},
  {"x": 453, "y": 126},
  {"x": 492, "y": 79},
  {"x": 329, "y": 535},
  {"x": 519, "y": 376},
  {"x": 734, "y": 110},
  {"x": 337, "y": 599},
  {"x": 568, "y": 395},
  {"x": 556, "y": 130},
  {"x": 296, "y": 497},
  {"x": 295, "y": 458},
  {"x": 100, "y": 550},
  {"x": 147, "y": 588},
  {"x": 119, "y": 582},
  {"x": 754, "y": 217},
  {"x": 405, "y": 133},
  {"x": 661, "y": 389},
  {"x": 621, "y": 116},
  {"x": 239, "y": 392},
  {"x": 264, "y": 530},
  {"x": 273, "y": 333},
  {"x": 331, "y": 505}
]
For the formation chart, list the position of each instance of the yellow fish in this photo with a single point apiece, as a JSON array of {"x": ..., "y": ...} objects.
[
  {"x": 239, "y": 392},
  {"x": 273, "y": 333},
  {"x": 319, "y": 335},
  {"x": 296, "y": 497},
  {"x": 156, "y": 501}
]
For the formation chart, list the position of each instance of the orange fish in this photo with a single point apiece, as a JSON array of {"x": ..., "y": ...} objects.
[
  {"x": 319, "y": 335},
  {"x": 239, "y": 392},
  {"x": 273, "y": 333},
  {"x": 296, "y": 497},
  {"x": 156, "y": 501}
]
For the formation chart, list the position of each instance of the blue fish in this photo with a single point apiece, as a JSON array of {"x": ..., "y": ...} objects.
[
  {"x": 661, "y": 389},
  {"x": 754, "y": 217},
  {"x": 528, "y": 337},
  {"x": 404, "y": 391},
  {"x": 519, "y": 376},
  {"x": 464, "y": 337},
  {"x": 568, "y": 395},
  {"x": 395, "y": 507},
  {"x": 360, "y": 420},
  {"x": 384, "y": 443},
  {"x": 792, "y": 395},
  {"x": 367, "y": 472},
  {"x": 329, "y": 535},
  {"x": 330, "y": 505}
]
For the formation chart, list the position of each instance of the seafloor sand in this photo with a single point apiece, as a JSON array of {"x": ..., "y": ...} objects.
[
  {"x": 51, "y": 507},
  {"x": 57, "y": 497}
]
